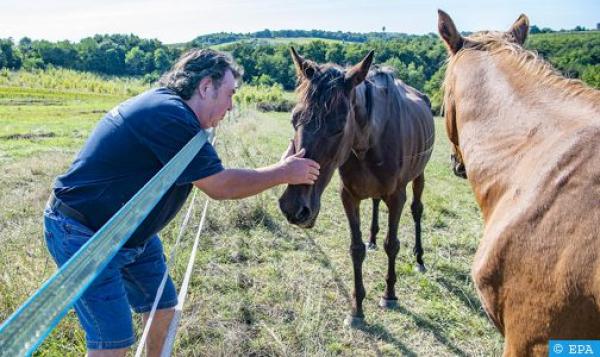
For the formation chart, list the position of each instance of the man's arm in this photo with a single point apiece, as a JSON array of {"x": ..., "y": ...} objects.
[{"x": 240, "y": 183}]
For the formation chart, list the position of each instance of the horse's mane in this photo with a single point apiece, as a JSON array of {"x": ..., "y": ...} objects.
[
  {"x": 497, "y": 44},
  {"x": 326, "y": 91},
  {"x": 323, "y": 93}
]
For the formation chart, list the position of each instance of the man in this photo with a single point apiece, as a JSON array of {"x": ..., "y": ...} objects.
[{"x": 126, "y": 149}]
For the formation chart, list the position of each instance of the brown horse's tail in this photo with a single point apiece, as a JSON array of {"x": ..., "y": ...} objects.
[
  {"x": 426, "y": 99},
  {"x": 423, "y": 97}
]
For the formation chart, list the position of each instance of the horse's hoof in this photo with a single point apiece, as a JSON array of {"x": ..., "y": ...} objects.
[
  {"x": 388, "y": 303},
  {"x": 420, "y": 268},
  {"x": 371, "y": 246},
  {"x": 354, "y": 322}
]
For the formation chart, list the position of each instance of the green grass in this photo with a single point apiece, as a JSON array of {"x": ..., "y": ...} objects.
[
  {"x": 53, "y": 110},
  {"x": 260, "y": 286},
  {"x": 58, "y": 79}
]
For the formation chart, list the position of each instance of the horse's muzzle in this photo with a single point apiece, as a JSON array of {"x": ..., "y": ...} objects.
[
  {"x": 458, "y": 167},
  {"x": 297, "y": 209}
]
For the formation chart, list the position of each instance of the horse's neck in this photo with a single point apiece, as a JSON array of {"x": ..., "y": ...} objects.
[
  {"x": 506, "y": 117},
  {"x": 367, "y": 124}
]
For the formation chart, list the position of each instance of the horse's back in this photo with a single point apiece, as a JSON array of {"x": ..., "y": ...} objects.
[
  {"x": 540, "y": 254},
  {"x": 417, "y": 129}
]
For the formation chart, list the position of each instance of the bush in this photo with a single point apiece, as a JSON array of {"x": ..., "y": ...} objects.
[
  {"x": 70, "y": 80},
  {"x": 591, "y": 76},
  {"x": 263, "y": 98}
]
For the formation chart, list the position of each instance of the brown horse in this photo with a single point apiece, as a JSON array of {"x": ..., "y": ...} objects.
[
  {"x": 379, "y": 132},
  {"x": 529, "y": 142}
]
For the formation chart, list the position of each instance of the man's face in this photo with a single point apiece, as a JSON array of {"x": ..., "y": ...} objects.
[{"x": 219, "y": 100}]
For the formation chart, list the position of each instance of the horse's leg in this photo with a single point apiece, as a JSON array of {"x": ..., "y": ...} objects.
[
  {"x": 417, "y": 212},
  {"x": 395, "y": 204},
  {"x": 374, "y": 225},
  {"x": 358, "y": 252}
]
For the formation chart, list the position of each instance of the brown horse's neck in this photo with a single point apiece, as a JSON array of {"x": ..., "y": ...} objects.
[
  {"x": 367, "y": 126},
  {"x": 360, "y": 120},
  {"x": 503, "y": 115}
]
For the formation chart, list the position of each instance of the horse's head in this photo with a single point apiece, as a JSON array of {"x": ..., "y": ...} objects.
[
  {"x": 324, "y": 126},
  {"x": 457, "y": 44}
]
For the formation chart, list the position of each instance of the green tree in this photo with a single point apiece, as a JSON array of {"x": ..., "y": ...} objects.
[
  {"x": 135, "y": 60},
  {"x": 335, "y": 53},
  {"x": 433, "y": 89},
  {"x": 591, "y": 76},
  {"x": 9, "y": 58},
  {"x": 162, "y": 62}
]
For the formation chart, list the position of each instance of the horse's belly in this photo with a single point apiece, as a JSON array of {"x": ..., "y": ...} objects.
[{"x": 363, "y": 184}]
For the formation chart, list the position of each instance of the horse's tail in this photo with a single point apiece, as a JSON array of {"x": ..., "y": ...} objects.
[{"x": 426, "y": 100}]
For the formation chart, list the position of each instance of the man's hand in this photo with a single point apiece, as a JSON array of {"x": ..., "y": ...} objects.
[
  {"x": 298, "y": 170},
  {"x": 288, "y": 152}
]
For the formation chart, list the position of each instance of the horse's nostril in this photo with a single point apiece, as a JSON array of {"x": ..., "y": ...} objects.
[{"x": 303, "y": 214}]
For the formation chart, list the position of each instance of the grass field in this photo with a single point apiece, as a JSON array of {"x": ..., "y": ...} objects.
[{"x": 260, "y": 286}]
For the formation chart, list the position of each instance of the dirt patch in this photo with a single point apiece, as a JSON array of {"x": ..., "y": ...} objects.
[
  {"x": 31, "y": 101},
  {"x": 28, "y": 136},
  {"x": 94, "y": 111}
]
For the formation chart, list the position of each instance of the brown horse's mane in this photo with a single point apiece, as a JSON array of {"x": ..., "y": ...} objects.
[
  {"x": 497, "y": 44},
  {"x": 323, "y": 93}
]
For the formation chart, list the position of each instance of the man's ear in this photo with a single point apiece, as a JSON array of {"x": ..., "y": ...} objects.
[{"x": 204, "y": 86}]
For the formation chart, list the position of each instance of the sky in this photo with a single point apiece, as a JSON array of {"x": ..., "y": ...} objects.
[{"x": 177, "y": 21}]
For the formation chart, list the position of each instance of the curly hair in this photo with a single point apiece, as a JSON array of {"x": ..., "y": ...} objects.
[{"x": 193, "y": 66}]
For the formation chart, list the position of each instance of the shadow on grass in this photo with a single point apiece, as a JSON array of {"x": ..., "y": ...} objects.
[
  {"x": 324, "y": 259},
  {"x": 451, "y": 282},
  {"x": 379, "y": 332},
  {"x": 436, "y": 331},
  {"x": 376, "y": 332}
]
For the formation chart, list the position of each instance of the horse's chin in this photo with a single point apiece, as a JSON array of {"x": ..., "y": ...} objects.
[{"x": 309, "y": 223}]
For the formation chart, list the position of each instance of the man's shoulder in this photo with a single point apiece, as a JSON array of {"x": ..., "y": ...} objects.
[{"x": 161, "y": 101}]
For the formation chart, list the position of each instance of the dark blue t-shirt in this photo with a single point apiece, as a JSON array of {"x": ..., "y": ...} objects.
[{"x": 126, "y": 149}]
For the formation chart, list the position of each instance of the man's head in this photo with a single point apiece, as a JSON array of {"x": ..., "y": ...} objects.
[{"x": 206, "y": 80}]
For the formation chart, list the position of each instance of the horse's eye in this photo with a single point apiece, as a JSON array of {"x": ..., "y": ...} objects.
[{"x": 335, "y": 133}]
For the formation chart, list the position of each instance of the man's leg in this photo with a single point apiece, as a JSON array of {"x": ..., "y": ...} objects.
[
  {"x": 158, "y": 330},
  {"x": 108, "y": 353},
  {"x": 103, "y": 310},
  {"x": 142, "y": 280}
]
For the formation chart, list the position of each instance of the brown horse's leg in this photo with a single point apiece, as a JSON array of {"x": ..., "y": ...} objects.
[
  {"x": 395, "y": 204},
  {"x": 417, "y": 212},
  {"x": 374, "y": 224},
  {"x": 358, "y": 252}
]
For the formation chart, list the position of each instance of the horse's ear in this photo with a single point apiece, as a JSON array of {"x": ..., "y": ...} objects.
[
  {"x": 358, "y": 73},
  {"x": 452, "y": 38},
  {"x": 304, "y": 68},
  {"x": 518, "y": 31}
]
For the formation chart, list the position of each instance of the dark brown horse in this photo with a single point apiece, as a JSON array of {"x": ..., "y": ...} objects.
[
  {"x": 379, "y": 132},
  {"x": 528, "y": 140}
]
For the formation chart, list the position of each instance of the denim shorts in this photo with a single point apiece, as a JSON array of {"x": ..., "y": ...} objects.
[{"x": 129, "y": 282}]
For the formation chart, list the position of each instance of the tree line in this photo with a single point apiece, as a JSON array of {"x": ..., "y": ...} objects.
[
  {"x": 417, "y": 59},
  {"x": 226, "y": 37},
  {"x": 118, "y": 55}
]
